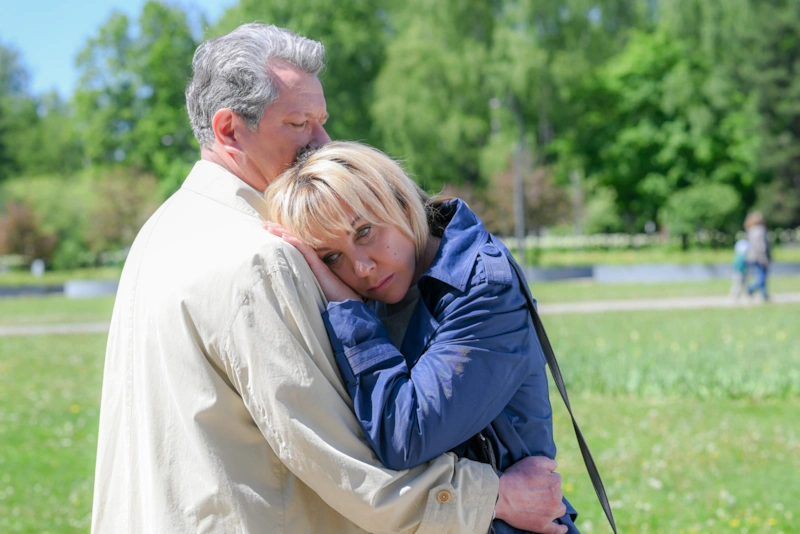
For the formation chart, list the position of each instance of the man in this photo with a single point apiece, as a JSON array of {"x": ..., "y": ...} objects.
[{"x": 222, "y": 407}]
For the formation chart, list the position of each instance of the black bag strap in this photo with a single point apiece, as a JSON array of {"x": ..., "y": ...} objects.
[{"x": 559, "y": 380}]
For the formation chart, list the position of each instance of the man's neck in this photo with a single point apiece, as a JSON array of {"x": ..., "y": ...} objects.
[{"x": 218, "y": 156}]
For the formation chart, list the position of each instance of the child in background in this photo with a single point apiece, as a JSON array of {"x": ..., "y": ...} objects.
[{"x": 739, "y": 268}]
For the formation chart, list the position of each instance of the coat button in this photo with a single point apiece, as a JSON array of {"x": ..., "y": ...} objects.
[{"x": 444, "y": 497}]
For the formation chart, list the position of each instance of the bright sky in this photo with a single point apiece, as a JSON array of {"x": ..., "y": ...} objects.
[{"x": 49, "y": 33}]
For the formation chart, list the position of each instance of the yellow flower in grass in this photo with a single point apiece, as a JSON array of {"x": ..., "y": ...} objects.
[{"x": 734, "y": 522}]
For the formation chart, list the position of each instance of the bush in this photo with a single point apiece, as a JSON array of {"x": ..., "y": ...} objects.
[
  {"x": 87, "y": 214},
  {"x": 21, "y": 233}
]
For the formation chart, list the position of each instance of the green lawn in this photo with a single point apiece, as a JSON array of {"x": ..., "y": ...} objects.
[
  {"x": 25, "y": 278},
  {"x": 691, "y": 416},
  {"x": 561, "y": 258},
  {"x": 54, "y": 309},
  {"x": 582, "y": 290}
]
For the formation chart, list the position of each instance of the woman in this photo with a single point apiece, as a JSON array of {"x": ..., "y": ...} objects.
[{"x": 470, "y": 373}]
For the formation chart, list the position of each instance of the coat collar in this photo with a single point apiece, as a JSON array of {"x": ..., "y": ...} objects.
[
  {"x": 461, "y": 241},
  {"x": 216, "y": 183}
]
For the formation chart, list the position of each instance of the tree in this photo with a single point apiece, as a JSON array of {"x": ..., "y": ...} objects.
[
  {"x": 129, "y": 101},
  {"x": 354, "y": 33},
  {"x": 664, "y": 119},
  {"x": 704, "y": 206},
  {"x": 432, "y": 101}
]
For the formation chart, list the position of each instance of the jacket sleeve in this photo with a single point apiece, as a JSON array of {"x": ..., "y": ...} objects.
[
  {"x": 278, "y": 358},
  {"x": 481, "y": 351}
]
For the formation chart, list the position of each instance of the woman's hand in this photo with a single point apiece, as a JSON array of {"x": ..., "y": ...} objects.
[{"x": 334, "y": 289}]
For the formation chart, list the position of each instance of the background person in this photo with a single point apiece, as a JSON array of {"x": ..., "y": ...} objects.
[
  {"x": 739, "y": 269},
  {"x": 222, "y": 408},
  {"x": 758, "y": 253},
  {"x": 471, "y": 377}
]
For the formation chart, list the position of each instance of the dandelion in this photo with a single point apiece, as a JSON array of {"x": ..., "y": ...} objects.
[
  {"x": 734, "y": 522},
  {"x": 75, "y": 408}
]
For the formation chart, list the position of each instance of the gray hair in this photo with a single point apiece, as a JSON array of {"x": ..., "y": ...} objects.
[{"x": 231, "y": 71}]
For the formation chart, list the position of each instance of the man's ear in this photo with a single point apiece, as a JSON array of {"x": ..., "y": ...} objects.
[{"x": 227, "y": 125}]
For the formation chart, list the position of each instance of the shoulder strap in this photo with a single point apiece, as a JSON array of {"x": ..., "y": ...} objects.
[{"x": 558, "y": 379}]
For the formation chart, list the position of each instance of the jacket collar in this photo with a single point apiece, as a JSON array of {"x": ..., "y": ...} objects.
[
  {"x": 462, "y": 239},
  {"x": 217, "y": 183}
]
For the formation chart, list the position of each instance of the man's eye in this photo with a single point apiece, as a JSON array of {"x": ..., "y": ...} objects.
[
  {"x": 331, "y": 259},
  {"x": 298, "y": 124}
]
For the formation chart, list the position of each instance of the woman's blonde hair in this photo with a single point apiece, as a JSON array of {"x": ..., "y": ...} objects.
[{"x": 318, "y": 197}]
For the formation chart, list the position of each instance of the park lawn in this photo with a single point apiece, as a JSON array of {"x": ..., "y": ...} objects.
[
  {"x": 680, "y": 466},
  {"x": 58, "y": 309},
  {"x": 54, "y": 309},
  {"x": 588, "y": 290},
  {"x": 19, "y": 278},
  {"x": 566, "y": 258},
  {"x": 751, "y": 352},
  {"x": 690, "y": 414},
  {"x": 49, "y": 408}
]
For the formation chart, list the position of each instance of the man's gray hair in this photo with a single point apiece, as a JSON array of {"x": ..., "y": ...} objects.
[{"x": 231, "y": 71}]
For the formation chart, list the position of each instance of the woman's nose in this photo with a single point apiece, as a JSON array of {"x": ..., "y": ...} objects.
[{"x": 364, "y": 266}]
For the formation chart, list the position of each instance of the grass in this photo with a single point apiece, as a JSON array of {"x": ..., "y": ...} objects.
[
  {"x": 751, "y": 353},
  {"x": 678, "y": 466},
  {"x": 690, "y": 416},
  {"x": 49, "y": 408},
  {"x": 583, "y": 290},
  {"x": 565, "y": 258},
  {"x": 54, "y": 278},
  {"x": 54, "y": 309}
]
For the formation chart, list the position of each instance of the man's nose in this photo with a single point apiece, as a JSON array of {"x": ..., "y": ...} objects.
[{"x": 319, "y": 137}]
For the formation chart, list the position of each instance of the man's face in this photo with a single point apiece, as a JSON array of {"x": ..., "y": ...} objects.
[{"x": 293, "y": 121}]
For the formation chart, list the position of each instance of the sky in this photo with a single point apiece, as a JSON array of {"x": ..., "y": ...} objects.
[{"x": 48, "y": 34}]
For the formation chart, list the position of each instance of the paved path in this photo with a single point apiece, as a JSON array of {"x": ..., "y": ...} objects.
[{"x": 675, "y": 303}]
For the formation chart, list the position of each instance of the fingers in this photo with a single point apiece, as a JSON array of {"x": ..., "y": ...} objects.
[{"x": 555, "y": 528}]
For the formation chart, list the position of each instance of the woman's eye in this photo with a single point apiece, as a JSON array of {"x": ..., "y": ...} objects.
[
  {"x": 364, "y": 231},
  {"x": 331, "y": 259}
]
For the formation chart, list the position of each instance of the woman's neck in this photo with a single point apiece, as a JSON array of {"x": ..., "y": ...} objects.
[{"x": 428, "y": 254}]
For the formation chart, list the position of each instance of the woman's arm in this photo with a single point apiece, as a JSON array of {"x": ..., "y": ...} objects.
[{"x": 479, "y": 354}]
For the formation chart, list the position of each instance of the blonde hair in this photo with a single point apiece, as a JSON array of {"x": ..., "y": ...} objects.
[{"x": 317, "y": 198}]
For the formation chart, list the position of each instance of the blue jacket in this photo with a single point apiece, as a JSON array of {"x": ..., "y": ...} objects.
[{"x": 470, "y": 376}]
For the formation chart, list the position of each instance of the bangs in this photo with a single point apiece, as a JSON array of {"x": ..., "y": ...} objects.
[
  {"x": 318, "y": 210},
  {"x": 319, "y": 197}
]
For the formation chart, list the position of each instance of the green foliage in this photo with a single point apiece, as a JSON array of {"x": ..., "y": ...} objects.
[
  {"x": 129, "y": 104},
  {"x": 354, "y": 33},
  {"x": 88, "y": 214},
  {"x": 705, "y": 206}
]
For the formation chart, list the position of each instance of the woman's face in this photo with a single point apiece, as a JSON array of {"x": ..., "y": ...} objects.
[{"x": 378, "y": 262}]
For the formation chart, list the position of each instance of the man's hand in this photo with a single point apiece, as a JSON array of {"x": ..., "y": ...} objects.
[{"x": 530, "y": 496}]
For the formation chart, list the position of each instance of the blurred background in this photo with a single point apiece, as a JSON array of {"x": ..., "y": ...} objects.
[{"x": 615, "y": 145}]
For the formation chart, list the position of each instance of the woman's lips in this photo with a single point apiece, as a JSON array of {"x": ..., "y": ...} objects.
[{"x": 383, "y": 284}]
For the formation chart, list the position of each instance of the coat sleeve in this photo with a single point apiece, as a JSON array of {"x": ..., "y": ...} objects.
[
  {"x": 482, "y": 349},
  {"x": 278, "y": 359}
]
